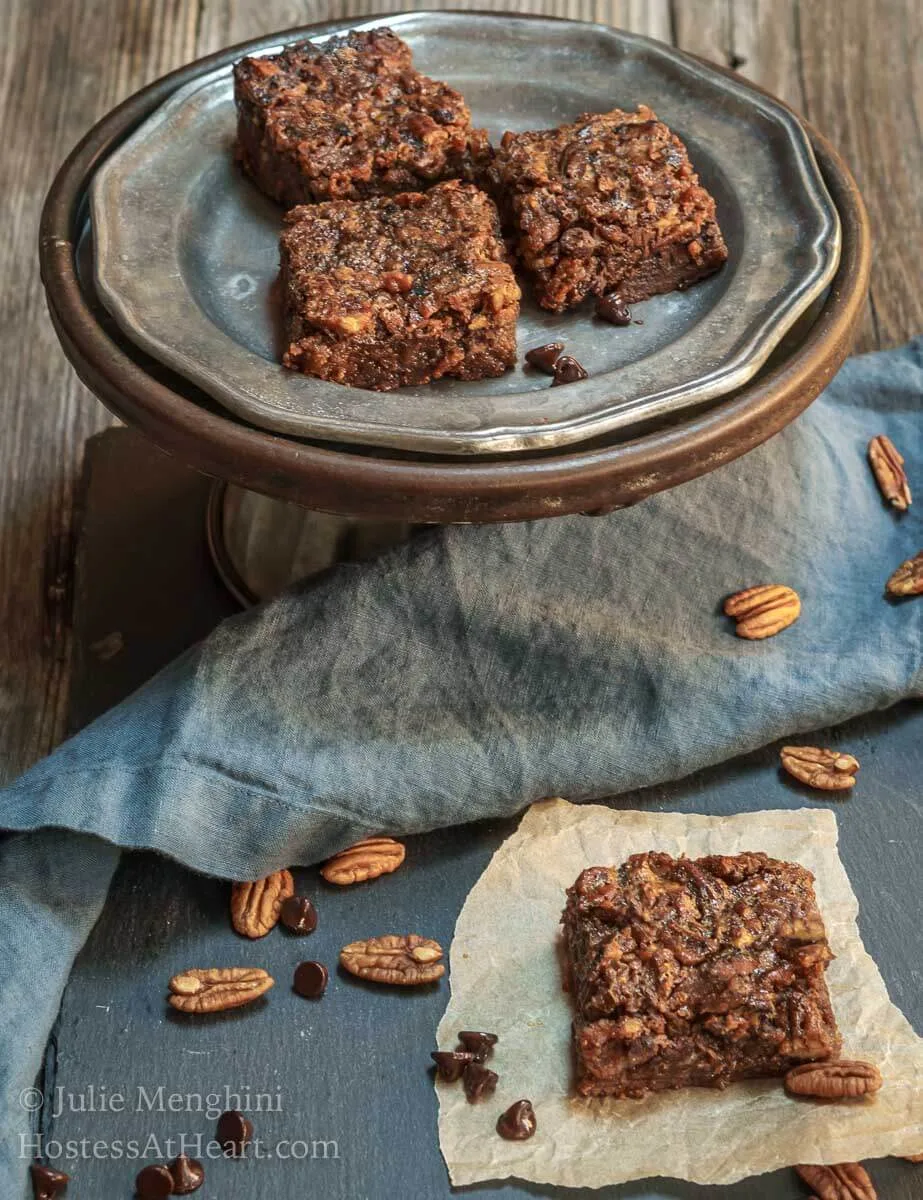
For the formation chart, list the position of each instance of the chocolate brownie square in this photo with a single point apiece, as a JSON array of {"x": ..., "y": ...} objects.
[
  {"x": 350, "y": 118},
  {"x": 399, "y": 290},
  {"x": 608, "y": 204},
  {"x": 695, "y": 973}
]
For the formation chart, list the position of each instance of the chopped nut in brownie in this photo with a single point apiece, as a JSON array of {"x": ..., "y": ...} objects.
[
  {"x": 610, "y": 203},
  {"x": 695, "y": 973},
  {"x": 400, "y": 289},
  {"x": 350, "y": 118}
]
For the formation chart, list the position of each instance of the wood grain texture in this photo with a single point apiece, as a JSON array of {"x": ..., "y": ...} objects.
[
  {"x": 862, "y": 72},
  {"x": 854, "y": 67},
  {"x": 63, "y": 66}
]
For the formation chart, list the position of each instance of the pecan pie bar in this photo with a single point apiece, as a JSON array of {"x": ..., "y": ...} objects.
[
  {"x": 695, "y": 973},
  {"x": 349, "y": 118},
  {"x": 400, "y": 289},
  {"x": 608, "y": 204}
]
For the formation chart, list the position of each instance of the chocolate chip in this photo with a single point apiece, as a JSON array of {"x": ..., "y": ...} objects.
[
  {"x": 567, "y": 370},
  {"x": 481, "y": 1045},
  {"x": 234, "y": 1133},
  {"x": 311, "y": 980},
  {"x": 188, "y": 1175},
  {"x": 47, "y": 1183},
  {"x": 518, "y": 1122},
  {"x": 478, "y": 1082},
  {"x": 613, "y": 308},
  {"x": 451, "y": 1063},
  {"x": 543, "y": 357},
  {"x": 298, "y": 914},
  {"x": 153, "y": 1183}
]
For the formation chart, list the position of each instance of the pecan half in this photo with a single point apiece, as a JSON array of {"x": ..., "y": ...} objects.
[
  {"x": 828, "y": 770},
  {"x": 914, "y": 1158},
  {"x": 888, "y": 469},
  {"x": 907, "y": 580},
  {"x": 366, "y": 860},
  {"x": 845, "y": 1181},
  {"x": 255, "y": 906},
  {"x": 214, "y": 989},
  {"x": 404, "y": 959},
  {"x": 844, "y": 1079},
  {"x": 761, "y": 612}
]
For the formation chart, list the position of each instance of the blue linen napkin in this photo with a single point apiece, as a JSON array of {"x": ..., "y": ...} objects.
[{"x": 470, "y": 673}]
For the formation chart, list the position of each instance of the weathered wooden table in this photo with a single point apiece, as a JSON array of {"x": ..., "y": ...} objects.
[{"x": 852, "y": 67}]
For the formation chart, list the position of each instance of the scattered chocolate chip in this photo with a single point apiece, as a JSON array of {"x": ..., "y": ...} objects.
[
  {"x": 188, "y": 1175},
  {"x": 153, "y": 1183},
  {"x": 543, "y": 357},
  {"x": 518, "y": 1122},
  {"x": 613, "y": 308},
  {"x": 480, "y": 1044},
  {"x": 478, "y": 1082},
  {"x": 235, "y": 1132},
  {"x": 567, "y": 370},
  {"x": 48, "y": 1184},
  {"x": 298, "y": 914},
  {"x": 311, "y": 980},
  {"x": 451, "y": 1063}
]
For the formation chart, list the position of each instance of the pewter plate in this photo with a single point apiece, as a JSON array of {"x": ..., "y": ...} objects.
[{"x": 186, "y": 252}]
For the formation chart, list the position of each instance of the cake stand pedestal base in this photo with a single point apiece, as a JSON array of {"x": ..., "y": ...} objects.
[{"x": 261, "y": 545}]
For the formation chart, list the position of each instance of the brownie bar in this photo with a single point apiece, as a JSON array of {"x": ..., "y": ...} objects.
[
  {"x": 399, "y": 290},
  {"x": 609, "y": 204},
  {"x": 695, "y": 973},
  {"x": 348, "y": 119}
]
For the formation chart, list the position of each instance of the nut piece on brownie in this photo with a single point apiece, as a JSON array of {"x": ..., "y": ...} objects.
[
  {"x": 350, "y": 118},
  {"x": 399, "y": 290},
  {"x": 610, "y": 203},
  {"x": 695, "y": 973}
]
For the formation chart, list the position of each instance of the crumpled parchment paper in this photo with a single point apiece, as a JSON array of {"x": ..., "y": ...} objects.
[{"x": 506, "y": 978}]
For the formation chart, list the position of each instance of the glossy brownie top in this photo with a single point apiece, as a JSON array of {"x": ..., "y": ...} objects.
[{"x": 714, "y": 966}]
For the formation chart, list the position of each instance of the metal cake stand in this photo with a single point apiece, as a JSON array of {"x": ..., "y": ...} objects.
[{"x": 259, "y": 531}]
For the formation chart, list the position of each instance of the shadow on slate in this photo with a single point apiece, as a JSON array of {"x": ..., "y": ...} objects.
[{"x": 347, "y": 1079}]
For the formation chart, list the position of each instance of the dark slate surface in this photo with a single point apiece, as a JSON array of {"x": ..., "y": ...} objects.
[{"x": 352, "y": 1068}]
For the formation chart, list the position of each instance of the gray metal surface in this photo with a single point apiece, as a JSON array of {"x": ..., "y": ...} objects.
[
  {"x": 186, "y": 248},
  {"x": 354, "y": 1068}
]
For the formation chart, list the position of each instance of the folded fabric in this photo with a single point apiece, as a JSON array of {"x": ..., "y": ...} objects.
[{"x": 477, "y": 669}]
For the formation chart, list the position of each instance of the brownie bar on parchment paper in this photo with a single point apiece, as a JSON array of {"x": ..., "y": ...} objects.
[
  {"x": 608, "y": 204},
  {"x": 350, "y": 118},
  {"x": 695, "y": 973}
]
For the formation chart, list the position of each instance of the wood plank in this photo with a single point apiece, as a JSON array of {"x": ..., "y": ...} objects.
[
  {"x": 827, "y": 59},
  {"x": 863, "y": 77},
  {"x": 64, "y": 64},
  {"x": 227, "y": 21},
  {"x": 754, "y": 37},
  {"x": 129, "y": 573}
]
